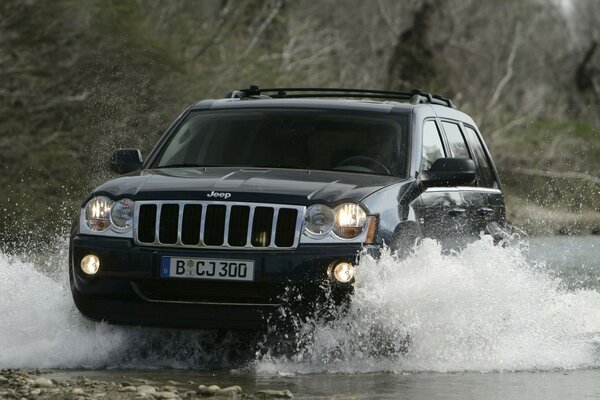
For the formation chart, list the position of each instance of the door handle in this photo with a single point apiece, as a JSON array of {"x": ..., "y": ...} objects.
[
  {"x": 483, "y": 211},
  {"x": 456, "y": 211}
]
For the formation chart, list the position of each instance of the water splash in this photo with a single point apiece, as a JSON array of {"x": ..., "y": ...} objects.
[
  {"x": 41, "y": 328},
  {"x": 485, "y": 308}
]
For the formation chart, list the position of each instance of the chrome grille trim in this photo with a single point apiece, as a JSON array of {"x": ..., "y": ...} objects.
[
  {"x": 274, "y": 227},
  {"x": 202, "y": 223},
  {"x": 179, "y": 224},
  {"x": 248, "y": 246},
  {"x": 157, "y": 226},
  {"x": 226, "y": 227},
  {"x": 250, "y": 225}
]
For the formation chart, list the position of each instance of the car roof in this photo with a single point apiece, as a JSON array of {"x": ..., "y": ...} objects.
[
  {"x": 342, "y": 104},
  {"x": 423, "y": 110}
]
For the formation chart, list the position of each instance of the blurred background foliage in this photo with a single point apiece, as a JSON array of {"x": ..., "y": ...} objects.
[{"x": 79, "y": 78}]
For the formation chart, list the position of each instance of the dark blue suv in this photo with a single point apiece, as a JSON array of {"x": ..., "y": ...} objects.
[{"x": 265, "y": 190}]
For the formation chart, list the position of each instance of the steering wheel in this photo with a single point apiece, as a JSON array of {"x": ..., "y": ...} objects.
[{"x": 366, "y": 162}]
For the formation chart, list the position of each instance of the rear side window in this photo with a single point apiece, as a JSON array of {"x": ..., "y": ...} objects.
[
  {"x": 485, "y": 176},
  {"x": 456, "y": 140},
  {"x": 432, "y": 145}
]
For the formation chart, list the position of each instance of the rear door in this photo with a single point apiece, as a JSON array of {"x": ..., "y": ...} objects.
[
  {"x": 485, "y": 201},
  {"x": 441, "y": 211},
  {"x": 459, "y": 213}
]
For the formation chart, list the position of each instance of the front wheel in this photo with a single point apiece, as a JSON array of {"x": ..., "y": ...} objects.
[{"x": 406, "y": 237}]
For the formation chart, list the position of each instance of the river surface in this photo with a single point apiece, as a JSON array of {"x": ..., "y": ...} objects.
[{"x": 484, "y": 323}]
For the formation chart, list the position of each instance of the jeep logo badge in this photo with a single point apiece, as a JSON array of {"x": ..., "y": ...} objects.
[{"x": 220, "y": 195}]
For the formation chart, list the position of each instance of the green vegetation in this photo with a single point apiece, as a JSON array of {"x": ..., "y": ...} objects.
[{"x": 79, "y": 79}]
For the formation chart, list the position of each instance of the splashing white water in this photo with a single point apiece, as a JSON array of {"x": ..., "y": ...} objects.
[
  {"x": 485, "y": 308},
  {"x": 39, "y": 325},
  {"x": 41, "y": 328}
]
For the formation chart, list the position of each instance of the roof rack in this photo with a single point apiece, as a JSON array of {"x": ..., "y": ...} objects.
[{"x": 415, "y": 96}]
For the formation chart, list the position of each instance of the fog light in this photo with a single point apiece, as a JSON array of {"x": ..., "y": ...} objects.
[
  {"x": 90, "y": 264},
  {"x": 342, "y": 272}
]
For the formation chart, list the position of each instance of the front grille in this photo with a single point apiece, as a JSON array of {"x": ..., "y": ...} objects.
[
  {"x": 209, "y": 224},
  {"x": 210, "y": 292}
]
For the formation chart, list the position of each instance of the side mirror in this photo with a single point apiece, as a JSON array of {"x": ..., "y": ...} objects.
[
  {"x": 123, "y": 161},
  {"x": 450, "y": 172}
]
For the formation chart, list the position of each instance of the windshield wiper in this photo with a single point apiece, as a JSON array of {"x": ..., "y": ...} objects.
[{"x": 180, "y": 166}]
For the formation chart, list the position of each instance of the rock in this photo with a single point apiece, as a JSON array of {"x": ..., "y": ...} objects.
[
  {"x": 144, "y": 396},
  {"x": 128, "y": 389},
  {"x": 144, "y": 381},
  {"x": 208, "y": 391},
  {"x": 228, "y": 390},
  {"x": 174, "y": 383},
  {"x": 170, "y": 389},
  {"x": 35, "y": 392},
  {"x": 42, "y": 382},
  {"x": 146, "y": 389},
  {"x": 3, "y": 379},
  {"x": 165, "y": 395},
  {"x": 275, "y": 394},
  {"x": 78, "y": 391},
  {"x": 189, "y": 393},
  {"x": 125, "y": 383}
]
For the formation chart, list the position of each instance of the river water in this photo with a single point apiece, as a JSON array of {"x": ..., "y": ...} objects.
[{"x": 488, "y": 322}]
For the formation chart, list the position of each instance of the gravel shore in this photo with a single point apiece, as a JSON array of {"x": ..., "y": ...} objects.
[{"x": 34, "y": 384}]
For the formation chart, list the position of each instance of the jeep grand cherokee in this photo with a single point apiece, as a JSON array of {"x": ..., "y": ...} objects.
[{"x": 269, "y": 189}]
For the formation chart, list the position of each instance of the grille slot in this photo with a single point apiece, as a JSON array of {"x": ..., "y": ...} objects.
[
  {"x": 190, "y": 230},
  {"x": 147, "y": 223},
  {"x": 238, "y": 225},
  {"x": 169, "y": 216},
  {"x": 214, "y": 224},
  {"x": 285, "y": 232},
  {"x": 262, "y": 226}
]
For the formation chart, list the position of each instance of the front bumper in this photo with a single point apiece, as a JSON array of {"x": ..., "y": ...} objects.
[{"x": 128, "y": 288}]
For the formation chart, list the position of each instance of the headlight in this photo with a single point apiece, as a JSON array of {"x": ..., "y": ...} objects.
[
  {"x": 121, "y": 214},
  {"x": 350, "y": 220},
  {"x": 319, "y": 219},
  {"x": 97, "y": 213}
]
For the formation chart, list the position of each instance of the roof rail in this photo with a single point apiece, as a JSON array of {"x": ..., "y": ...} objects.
[{"x": 415, "y": 96}]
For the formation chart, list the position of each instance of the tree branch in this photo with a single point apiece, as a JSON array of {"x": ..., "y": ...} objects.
[
  {"x": 263, "y": 27},
  {"x": 509, "y": 69}
]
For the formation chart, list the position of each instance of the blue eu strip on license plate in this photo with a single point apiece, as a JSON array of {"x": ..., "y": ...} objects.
[{"x": 207, "y": 268}]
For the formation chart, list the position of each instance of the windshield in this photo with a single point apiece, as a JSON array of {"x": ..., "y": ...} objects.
[{"x": 329, "y": 140}]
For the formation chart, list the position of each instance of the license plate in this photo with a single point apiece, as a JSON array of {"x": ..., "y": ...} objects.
[{"x": 207, "y": 268}]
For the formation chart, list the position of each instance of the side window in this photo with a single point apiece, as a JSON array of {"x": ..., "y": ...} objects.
[
  {"x": 485, "y": 176},
  {"x": 458, "y": 147},
  {"x": 432, "y": 145}
]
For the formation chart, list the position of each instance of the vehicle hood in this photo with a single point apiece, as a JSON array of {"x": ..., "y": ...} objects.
[{"x": 282, "y": 186}]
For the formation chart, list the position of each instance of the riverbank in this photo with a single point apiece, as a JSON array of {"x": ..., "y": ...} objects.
[
  {"x": 57, "y": 385},
  {"x": 537, "y": 220}
]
